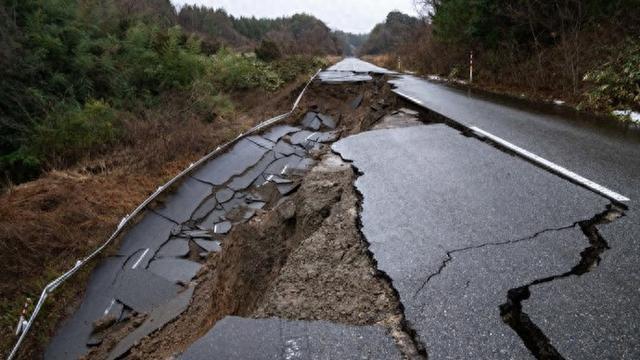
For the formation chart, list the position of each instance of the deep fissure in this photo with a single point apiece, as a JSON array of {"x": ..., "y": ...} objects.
[
  {"x": 407, "y": 339},
  {"x": 511, "y": 311}
]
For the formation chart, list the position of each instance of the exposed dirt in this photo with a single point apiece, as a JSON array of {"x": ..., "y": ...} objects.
[
  {"x": 305, "y": 259},
  {"x": 329, "y": 276},
  {"x": 337, "y": 100}
]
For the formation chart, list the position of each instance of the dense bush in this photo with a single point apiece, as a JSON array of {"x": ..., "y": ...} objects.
[
  {"x": 290, "y": 67},
  {"x": 268, "y": 51},
  {"x": 58, "y": 56},
  {"x": 233, "y": 72},
  {"x": 617, "y": 83},
  {"x": 546, "y": 49},
  {"x": 73, "y": 131}
]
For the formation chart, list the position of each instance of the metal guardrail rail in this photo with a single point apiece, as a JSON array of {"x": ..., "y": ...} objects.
[{"x": 24, "y": 326}]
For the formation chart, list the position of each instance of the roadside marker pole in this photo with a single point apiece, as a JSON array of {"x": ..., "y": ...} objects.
[{"x": 471, "y": 67}]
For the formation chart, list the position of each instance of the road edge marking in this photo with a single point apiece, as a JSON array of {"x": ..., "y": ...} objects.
[{"x": 553, "y": 167}]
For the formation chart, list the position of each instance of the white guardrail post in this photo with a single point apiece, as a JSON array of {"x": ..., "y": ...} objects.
[{"x": 24, "y": 325}]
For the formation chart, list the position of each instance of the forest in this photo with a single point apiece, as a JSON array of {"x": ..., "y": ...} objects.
[
  {"x": 72, "y": 69},
  {"x": 585, "y": 52}
]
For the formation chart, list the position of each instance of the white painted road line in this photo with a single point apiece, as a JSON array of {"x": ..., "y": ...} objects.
[
  {"x": 409, "y": 97},
  {"x": 140, "y": 259},
  {"x": 106, "y": 311},
  {"x": 597, "y": 188}
]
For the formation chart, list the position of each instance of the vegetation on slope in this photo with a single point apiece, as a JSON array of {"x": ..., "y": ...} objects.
[
  {"x": 102, "y": 101},
  {"x": 297, "y": 34},
  {"x": 583, "y": 51},
  {"x": 389, "y": 35},
  {"x": 72, "y": 69}
]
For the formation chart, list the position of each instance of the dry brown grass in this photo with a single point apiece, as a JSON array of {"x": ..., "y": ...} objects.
[
  {"x": 48, "y": 224},
  {"x": 387, "y": 61}
]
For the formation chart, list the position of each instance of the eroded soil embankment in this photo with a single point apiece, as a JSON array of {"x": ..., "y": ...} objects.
[{"x": 305, "y": 259}]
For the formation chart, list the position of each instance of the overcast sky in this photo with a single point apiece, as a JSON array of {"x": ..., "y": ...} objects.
[{"x": 357, "y": 16}]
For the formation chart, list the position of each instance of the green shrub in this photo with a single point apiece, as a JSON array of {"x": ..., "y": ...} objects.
[
  {"x": 291, "y": 67},
  {"x": 617, "y": 83},
  {"x": 268, "y": 51},
  {"x": 232, "y": 72},
  {"x": 207, "y": 103},
  {"x": 68, "y": 135}
]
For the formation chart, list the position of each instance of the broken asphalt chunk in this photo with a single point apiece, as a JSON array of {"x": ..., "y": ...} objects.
[
  {"x": 241, "y": 157},
  {"x": 175, "y": 247},
  {"x": 302, "y": 137},
  {"x": 156, "y": 320},
  {"x": 277, "y": 132},
  {"x": 325, "y": 137},
  {"x": 327, "y": 121},
  {"x": 205, "y": 208},
  {"x": 279, "y": 180},
  {"x": 260, "y": 141},
  {"x": 150, "y": 233},
  {"x": 280, "y": 166},
  {"x": 176, "y": 270},
  {"x": 208, "y": 245},
  {"x": 198, "y": 234},
  {"x": 214, "y": 217},
  {"x": 233, "y": 203},
  {"x": 180, "y": 205},
  {"x": 286, "y": 189},
  {"x": 283, "y": 149},
  {"x": 330, "y": 76},
  {"x": 243, "y": 181},
  {"x": 222, "y": 227},
  {"x": 309, "y": 119},
  {"x": 224, "y": 195},
  {"x": 143, "y": 290}
]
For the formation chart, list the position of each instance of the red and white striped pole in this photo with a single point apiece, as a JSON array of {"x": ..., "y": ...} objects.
[{"x": 23, "y": 317}]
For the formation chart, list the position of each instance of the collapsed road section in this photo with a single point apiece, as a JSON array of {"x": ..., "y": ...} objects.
[
  {"x": 360, "y": 228},
  {"x": 266, "y": 230}
]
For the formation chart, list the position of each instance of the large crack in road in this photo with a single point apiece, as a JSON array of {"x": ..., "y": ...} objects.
[
  {"x": 400, "y": 241},
  {"x": 458, "y": 314},
  {"x": 511, "y": 311}
]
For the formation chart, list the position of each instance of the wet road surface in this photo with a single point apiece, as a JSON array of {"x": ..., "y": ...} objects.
[
  {"x": 469, "y": 223},
  {"x": 238, "y": 338},
  {"x": 152, "y": 269},
  {"x": 461, "y": 228},
  {"x": 451, "y": 195}
]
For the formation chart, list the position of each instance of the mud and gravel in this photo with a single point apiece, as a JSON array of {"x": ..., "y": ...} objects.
[
  {"x": 303, "y": 257},
  {"x": 303, "y": 260}
]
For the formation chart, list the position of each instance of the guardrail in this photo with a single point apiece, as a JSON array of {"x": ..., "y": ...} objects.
[{"x": 25, "y": 325}]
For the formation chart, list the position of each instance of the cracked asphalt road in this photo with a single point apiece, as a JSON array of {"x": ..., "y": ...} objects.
[
  {"x": 152, "y": 270},
  {"x": 451, "y": 196},
  {"x": 448, "y": 192},
  {"x": 457, "y": 225}
]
